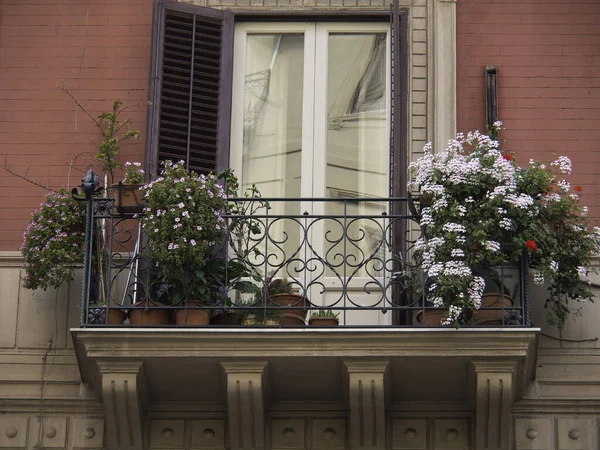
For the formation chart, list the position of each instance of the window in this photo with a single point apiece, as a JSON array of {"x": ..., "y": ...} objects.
[
  {"x": 306, "y": 109},
  {"x": 311, "y": 109}
]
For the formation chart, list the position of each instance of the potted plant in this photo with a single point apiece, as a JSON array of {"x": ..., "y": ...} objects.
[
  {"x": 285, "y": 293},
  {"x": 238, "y": 275},
  {"x": 254, "y": 313},
  {"x": 485, "y": 207},
  {"x": 229, "y": 277},
  {"x": 53, "y": 241},
  {"x": 151, "y": 310},
  {"x": 128, "y": 198},
  {"x": 184, "y": 225},
  {"x": 324, "y": 318}
]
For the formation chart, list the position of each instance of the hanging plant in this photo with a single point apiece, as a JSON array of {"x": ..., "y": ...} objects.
[{"x": 53, "y": 241}]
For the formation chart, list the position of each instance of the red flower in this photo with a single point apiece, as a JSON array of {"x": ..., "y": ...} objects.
[
  {"x": 531, "y": 245},
  {"x": 507, "y": 156},
  {"x": 578, "y": 188}
]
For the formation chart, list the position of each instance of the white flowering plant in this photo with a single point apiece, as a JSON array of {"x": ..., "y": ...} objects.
[
  {"x": 53, "y": 241},
  {"x": 185, "y": 228},
  {"x": 478, "y": 206},
  {"x": 134, "y": 174}
]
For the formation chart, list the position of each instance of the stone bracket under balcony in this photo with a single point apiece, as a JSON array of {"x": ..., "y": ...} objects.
[{"x": 247, "y": 372}]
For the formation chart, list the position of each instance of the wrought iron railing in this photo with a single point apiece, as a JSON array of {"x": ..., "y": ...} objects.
[{"x": 353, "y": 258}]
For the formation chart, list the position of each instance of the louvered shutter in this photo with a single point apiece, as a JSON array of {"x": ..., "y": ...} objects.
[{"x": 192, "y": 75}]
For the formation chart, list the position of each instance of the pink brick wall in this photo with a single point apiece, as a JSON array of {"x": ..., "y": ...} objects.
[
  {"x": 548, "y": 59},
  {"x": 101, "y": 49}
]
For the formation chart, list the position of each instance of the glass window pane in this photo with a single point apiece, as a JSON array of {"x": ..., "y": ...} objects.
[
  {"x": 272, "y": 143},
  {"x": 273, "y": 113},
  {"x": 357, "y": 135},
  {"x": 357, "y": 148}
]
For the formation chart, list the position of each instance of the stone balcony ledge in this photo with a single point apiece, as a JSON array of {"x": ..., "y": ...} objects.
[{"x": 361, "y": 371}]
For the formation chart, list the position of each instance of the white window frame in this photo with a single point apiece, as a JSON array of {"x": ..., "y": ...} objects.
[
  {"x": 314, "y": 119},
  {"x": 314, "y": 108}
]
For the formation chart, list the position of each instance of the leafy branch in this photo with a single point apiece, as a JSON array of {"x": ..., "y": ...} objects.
[{"x": 110, "y": 125}]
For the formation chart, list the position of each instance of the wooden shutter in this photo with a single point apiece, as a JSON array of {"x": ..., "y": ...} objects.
[
  {"x": 191, "y": 87},
  {"x": 399, "y": 76},
  {"x": 398, "y": 150}
]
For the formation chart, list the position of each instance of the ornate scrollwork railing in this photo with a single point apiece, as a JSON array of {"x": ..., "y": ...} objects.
[{"x": 353, "y": 258}]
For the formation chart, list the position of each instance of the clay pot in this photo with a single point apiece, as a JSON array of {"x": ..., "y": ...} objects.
[
  {"x": 192, "y": 315},
  {"x": 156, "y": 314},
  {"x": 317, "y": 321},
  {"x": 116, "y": 316},
  {"x": 432, "y": 317},
  {"x": 493, "y": 316},
  {"x": 292, "y": 317},
  {"x": 128, "y": 198}
]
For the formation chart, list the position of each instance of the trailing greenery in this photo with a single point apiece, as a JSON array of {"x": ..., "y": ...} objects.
[{"x": 53, "y": 241}]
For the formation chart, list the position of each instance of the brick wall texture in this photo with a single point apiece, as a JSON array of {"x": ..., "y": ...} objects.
[
  {"x": 547, "y": 54},
  {"x": 548, "y": 58},
  {"x": 99, "y": 49}
]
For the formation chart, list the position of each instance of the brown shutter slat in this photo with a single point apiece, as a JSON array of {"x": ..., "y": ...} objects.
[{"x": 192, "y": 72}]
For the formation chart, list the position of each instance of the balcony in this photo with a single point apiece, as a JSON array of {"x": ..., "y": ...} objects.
[
  {"x": 260, "y": 357},
  {"x": 348, "y": 258}
]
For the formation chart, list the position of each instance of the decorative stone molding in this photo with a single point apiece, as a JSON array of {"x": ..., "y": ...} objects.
[
  {"x": 494, "y": 396},
  {"x": 329, "y": 433},
  {"x": 50, "y": 432},
  {"x": 288, "y": 433},
  {"x": 86, "y": 433},
  {"x": 532, "y": 433},
  {"x": 123, "y": 397},
  {"x": 13, "y": 432},
  {"x": 368, "y": 402},
  {"x": 451, "y": 434},
  {"x": 409, "y": 434},
  {"x": 246, "y": 400}
]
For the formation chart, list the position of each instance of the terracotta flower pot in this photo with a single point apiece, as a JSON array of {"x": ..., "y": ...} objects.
[
  {"x": 128, "y": 198},
  {"x": 492, "y": 316},
  {"x": 432, "y": 317},
  {"x": 116, "y": 316},
  {"x": 192, "y": 315},
  {"x": 292, "y": 317},
  {"x": 153, "y": 315},
  {"x": 319, "y": 321}
]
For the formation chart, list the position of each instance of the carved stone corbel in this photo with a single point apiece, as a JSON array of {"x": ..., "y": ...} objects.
[
  {"x": 123, "y": 395},
  {"x": 246, "y": 403},
  {"x": 368, "y": 402},
  {"x": 494, "y": 396}
]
